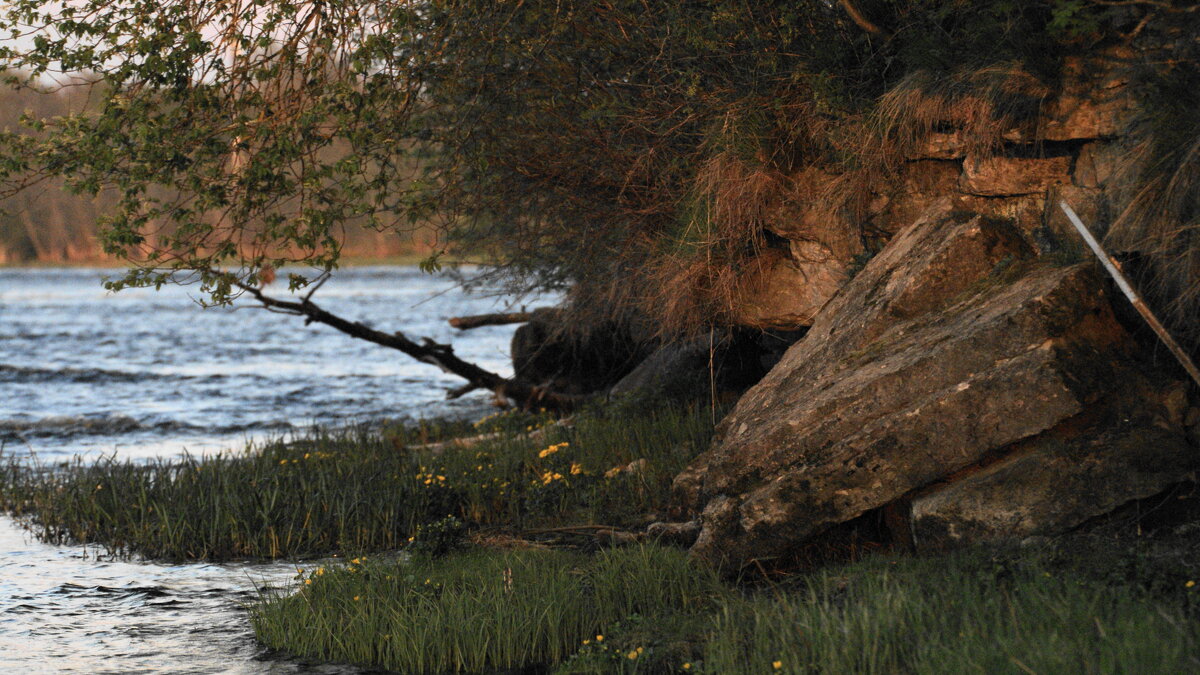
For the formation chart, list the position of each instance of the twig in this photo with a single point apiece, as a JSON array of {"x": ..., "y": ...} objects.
[
  {"x": 499, "y": 319},
  {"x": 862, "y": 21}
]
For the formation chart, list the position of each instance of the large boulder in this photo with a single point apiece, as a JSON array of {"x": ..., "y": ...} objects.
[{"x": 950, "y": 347}]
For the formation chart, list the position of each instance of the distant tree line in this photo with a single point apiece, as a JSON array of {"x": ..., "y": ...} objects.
[{"x": 46, "y": 222}]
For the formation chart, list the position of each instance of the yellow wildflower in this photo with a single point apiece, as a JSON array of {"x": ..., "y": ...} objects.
[
  {"x": 356, "y": 598},
  {"x": 777, "y": 664},
  {"x": 687, "y": 666},
  {"x": 612, "y": 473},
  {"x": 1190, "y": 584},
  {"x": 599, "y": 638},
  {"x": 576, "y": 468},
  {"x": 633, "y": 655}
]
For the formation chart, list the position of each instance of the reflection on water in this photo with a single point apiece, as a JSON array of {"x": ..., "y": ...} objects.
[{"x": 144, "y": 374}]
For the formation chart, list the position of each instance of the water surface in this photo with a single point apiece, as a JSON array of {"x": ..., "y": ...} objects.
[
  {"x": 147, "y": 373},
  {"x": 143, "y": 374}
]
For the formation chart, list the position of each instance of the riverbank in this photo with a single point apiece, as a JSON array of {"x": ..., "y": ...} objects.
[{"x": 525, "y": 550}]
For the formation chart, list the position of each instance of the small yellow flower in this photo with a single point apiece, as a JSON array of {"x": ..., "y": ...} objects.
[
  {"x": 633, "y": 655},
  {"x": 777, "y": 665},
  {"x": 612, "y": 473},
  {"x": 356, "y": 598},
  {"x": 308, "y": 582},
  {"x": 599, "y": 638},
  {"x": 587, "y": 642},
  {"x": 282, "y": 462},
  {"x": 576, "y": 469},
  {"x": 687, "y": 666},
  {"x": 1190, "y": 584}
]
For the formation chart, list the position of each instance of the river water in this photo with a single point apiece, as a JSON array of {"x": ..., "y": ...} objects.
[{"x": 143, "y": 374}]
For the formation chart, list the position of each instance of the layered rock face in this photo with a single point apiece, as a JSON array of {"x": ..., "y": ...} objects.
[
  {"x": 1070, "y": 148},
  {"x": 957, "y": 377}
]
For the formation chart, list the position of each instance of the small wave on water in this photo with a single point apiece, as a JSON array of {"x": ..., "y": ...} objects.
[
  {"x": 23, "y": 374},
  {"x": 22, "y": 430}
]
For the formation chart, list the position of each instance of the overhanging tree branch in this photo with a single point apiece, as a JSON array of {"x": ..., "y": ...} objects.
[{"x": 427, "y": 351}]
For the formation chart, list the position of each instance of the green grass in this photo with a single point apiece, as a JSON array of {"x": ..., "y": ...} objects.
[
  {"x": 356, "y": 491},
  {"x": 479, "y": 612},
  {"x": 961, "y": 614},
  {"x": 649, "y": 609}
]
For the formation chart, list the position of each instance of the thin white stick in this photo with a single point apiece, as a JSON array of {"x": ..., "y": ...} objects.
[{"x": 1114, "y": 270}]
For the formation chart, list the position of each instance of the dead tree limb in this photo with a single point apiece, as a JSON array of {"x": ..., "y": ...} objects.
[
  {"x": 426, "y": 351},
  {"x": 500, "y": 319}
]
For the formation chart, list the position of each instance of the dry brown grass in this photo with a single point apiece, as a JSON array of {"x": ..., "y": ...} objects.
[
  {"x": 981, "y": 106},
  {"x": 1160, "y": 221}
]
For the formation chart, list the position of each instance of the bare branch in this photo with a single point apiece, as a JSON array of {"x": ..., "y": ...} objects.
[
  {"x": 862, "y": 21},
  {"x": 427, "y": 351}
]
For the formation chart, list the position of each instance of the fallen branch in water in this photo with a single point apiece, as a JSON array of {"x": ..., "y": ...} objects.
[{"x": 499, "y": 319}]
